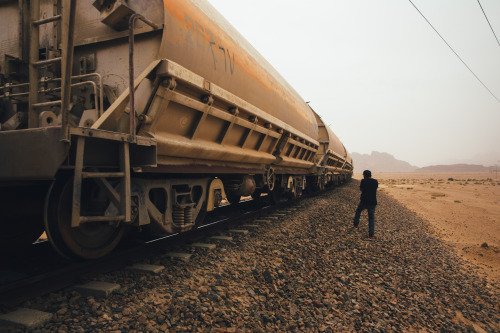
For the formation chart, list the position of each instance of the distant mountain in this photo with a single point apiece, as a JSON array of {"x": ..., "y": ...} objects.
[
  {"x": 454, "y": 168},
  {"x": 488, "y": 158},
  {"x": 380, "y": 162},
  {"x": 384, "y": 162}
]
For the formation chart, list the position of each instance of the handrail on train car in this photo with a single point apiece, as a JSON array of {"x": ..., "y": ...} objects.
[
  {"x": 8, "y": 86},
  {"x": 131, "y": 24},
  {"x": 68, "y": 39}
]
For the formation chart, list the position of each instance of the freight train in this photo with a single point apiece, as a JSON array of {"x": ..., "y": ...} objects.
[{"x": 119, "y": 114}]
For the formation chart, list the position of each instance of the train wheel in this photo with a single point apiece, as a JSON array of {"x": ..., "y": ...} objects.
[
  {"x": 256, "y": 194},
  {"x": 312, "y": 184},
  {"x": 321, "y": 183},
  {"x": 275, "y": 195},
  {"x": 299, "y": 191},
  {"x": 233, "y": 198},
  {"x": 201, "y": 215},
  {"x": 88, "y": 241},
  {"x": 292, "y": 194},
  {"x": 22, "y": 217}
]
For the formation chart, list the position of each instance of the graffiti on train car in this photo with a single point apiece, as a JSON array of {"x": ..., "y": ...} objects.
[{"x": 217, "y": 50}]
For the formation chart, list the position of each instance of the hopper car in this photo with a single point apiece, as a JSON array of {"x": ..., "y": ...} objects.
[{"x": 119, "y": 114}]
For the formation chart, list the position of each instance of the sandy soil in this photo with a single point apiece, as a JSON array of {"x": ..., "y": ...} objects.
[{"x": 463, "y": 208}]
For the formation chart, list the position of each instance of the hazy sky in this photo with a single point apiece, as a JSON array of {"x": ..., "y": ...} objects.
[{"x": 381, "y": 77}]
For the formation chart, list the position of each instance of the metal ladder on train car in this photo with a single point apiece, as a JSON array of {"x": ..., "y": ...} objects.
[
  {"x": 121, "y": 199},
  {"x": 66, "y": 19}
]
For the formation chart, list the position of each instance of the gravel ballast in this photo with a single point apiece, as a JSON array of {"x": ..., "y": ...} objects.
[{"x": 309, "y": 271}]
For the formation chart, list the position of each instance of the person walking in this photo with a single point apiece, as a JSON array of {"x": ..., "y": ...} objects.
[{"x": 368, "y": 201}]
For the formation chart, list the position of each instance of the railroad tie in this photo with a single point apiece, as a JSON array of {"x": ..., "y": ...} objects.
[
  {"x": 263, "y": 221},
  {"x": 238, "y": 231},
  {"x": 204, "y": 246},
  {"x": 144, "y": 268},
  {"x": 250, "y": 226},
  {"x": 221, "y": 238},
  {"x": 97, "y": 288},
  {"x": 25, "y": 318},
  {"x": 179, "y": 256}
]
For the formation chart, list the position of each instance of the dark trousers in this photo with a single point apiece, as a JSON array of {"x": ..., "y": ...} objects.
[{"x": 371, "y": 217}]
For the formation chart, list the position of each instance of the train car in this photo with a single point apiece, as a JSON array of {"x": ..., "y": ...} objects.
[
  {"x": 117, "y": 114},
  {"x": 332, "y": 157}
]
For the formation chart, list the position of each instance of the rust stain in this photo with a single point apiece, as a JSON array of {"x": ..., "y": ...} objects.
[
  {"x": 251, "y": 74},
  {"x": 245, "y": 62}
]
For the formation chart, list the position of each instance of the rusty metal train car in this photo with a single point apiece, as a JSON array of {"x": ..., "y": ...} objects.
[{"x": 119, "y": 114}]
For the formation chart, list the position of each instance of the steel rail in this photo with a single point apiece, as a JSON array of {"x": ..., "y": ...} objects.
[{"x": 17, "y": 292}]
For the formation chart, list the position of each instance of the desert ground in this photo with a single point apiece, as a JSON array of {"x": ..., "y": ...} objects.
[{"x": 463, "y": 209}]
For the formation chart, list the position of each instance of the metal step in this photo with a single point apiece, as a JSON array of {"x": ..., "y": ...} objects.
[
  {"x": 103, "y": 174},
  {"x": 48, "y": 20},
  {"x": 84, "y": 219}
]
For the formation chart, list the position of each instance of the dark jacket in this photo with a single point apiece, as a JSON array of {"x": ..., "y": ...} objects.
[{"x": 369, "y": 191}]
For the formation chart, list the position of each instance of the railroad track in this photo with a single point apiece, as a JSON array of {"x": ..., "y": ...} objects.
[{"x": 39, "y": 270}]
